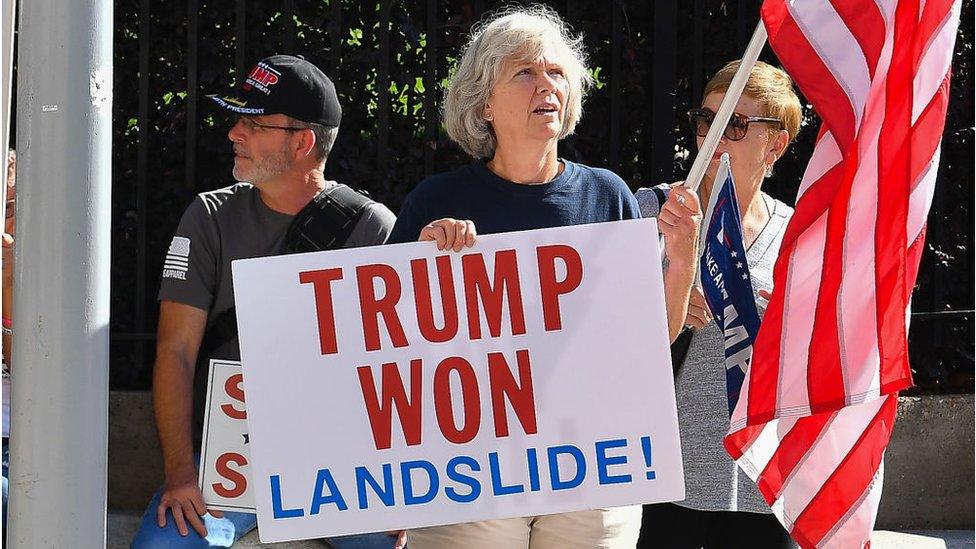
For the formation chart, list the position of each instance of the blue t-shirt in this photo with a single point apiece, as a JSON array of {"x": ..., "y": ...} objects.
[{"x": 580, "y": 194}]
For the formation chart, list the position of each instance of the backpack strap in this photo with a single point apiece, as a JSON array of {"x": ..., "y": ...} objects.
[{"x": 325, "y": 223}]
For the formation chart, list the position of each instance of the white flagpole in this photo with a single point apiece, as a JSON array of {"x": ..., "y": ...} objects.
[{"x": 725, "y": 110}]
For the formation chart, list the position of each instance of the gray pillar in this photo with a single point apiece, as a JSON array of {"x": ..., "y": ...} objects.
[{"x": 59, "y": 416}]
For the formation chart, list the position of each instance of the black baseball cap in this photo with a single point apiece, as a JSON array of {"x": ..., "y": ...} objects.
[{"x": 289, "y": 85}]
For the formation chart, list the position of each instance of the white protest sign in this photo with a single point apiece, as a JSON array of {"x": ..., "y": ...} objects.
[
  {"x": 224, "y": 456},
  {"x": 399, "y": 386}
]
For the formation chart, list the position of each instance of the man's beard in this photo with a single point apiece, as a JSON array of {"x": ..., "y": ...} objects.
[{"x": 269, "y": 167}]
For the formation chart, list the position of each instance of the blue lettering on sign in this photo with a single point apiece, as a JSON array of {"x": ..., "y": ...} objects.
[
  {"x": 603, "y": 461},
  {"x": 385, "y": 492},
  {"x": 323, "y": 479},
  {"x": 406, "y": 472},
  {"x": 467, "y": 480},
  {"x": 577, "y": 454},
  {"x": 497, "y": 487},
  {"x": 533, "y": 459},
  {"x": 464, "y": 477},
  {"x": 279, "y": 512}
]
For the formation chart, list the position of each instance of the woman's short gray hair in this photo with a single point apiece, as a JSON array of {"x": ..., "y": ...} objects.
[{"x": 518, "y": 34}]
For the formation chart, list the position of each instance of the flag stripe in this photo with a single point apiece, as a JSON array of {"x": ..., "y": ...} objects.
[
  {"x": 937, "y": 64},
  {"x": 791, "y": 450},
  {"x": 867, "y": 24},
  {"x": 853, "y": 474},
  {"x": 809, "y": 72},
  {"x": 894, "y": 189},
  {"x": 825, "y": 383},
  {"x": 849, "y": 532},
  {"x": 838, "y": 49}
]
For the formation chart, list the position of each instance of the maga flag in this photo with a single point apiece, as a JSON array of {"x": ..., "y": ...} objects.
[
  {"x": 726, "y": 283},
  {"x": 818, "y": 403}
]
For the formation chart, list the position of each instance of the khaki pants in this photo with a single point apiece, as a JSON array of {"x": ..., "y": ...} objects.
[{"x": 616, "y": 528}]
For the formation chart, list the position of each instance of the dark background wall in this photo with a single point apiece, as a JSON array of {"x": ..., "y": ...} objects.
[{"x": 389, "y": 61}]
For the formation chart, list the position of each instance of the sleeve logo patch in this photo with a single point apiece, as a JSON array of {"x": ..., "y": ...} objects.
[{"x": 177, "y": 261}]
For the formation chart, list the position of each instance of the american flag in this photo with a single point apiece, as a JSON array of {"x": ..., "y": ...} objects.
[
  {"x": 726, "y": 284},
  {"x": 818, "y": 403}
]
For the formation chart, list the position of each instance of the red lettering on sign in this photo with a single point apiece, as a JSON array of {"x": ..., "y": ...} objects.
[
  {"x": 321, "y": 282},
  {"x": 224, "y": 469},
  {"x": 422, "y": 297},
  {"x": 477, "y": 285},
  {"x": 380, "y": 404},
  {"x": 519, "y": 394},
  {"x": 443, "y": 397},
  {"x": 372, "y": 307},
  {"x": 232, "y": 386},
  {"x": 551, "y": 289}
]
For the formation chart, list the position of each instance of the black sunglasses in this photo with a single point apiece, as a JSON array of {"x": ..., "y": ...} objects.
[{"x": 738, "y": 126}]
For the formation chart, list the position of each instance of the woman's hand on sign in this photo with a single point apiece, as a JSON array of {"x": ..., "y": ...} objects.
[
  {"x": 679, "y": 222},
  {"x": 183, "y": 498},
  {"x": 450, "y": 234},
  {"x": 401, "y": 539},
  {"x": 698, "y": 312}
]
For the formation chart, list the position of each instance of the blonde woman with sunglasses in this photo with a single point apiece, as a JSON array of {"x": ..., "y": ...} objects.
[{"x": 723, "y": 507}]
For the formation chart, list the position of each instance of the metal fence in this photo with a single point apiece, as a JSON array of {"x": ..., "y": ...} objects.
[{"x": 389, "y": 61}]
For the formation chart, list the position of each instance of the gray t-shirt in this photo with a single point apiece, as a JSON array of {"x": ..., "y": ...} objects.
[
  {"x": 235, "y": 223},
  {"x": 713, "y": 482}
]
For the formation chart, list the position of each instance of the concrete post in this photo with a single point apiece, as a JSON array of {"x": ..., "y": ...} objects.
[{"x": 59, "y": 416}]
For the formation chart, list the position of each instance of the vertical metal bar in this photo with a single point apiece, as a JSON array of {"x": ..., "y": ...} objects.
[
  {"x": 288, "y": 26},
  {"x": 430, "y": 88},
  {"x": 190, "y": 153},
  {"x": 335, "y": 36},
  {"x": 59, "y": 455},
  {"x": 383, "y": 91},
  {"x": 697, "y": 65},
  {"x": 742, "y": 23},
  {"x": 938, "y": 326},
  {"x": 142, "y": 174},
  {"x": 665, "y": 82},
  {"x": 240, "y": 39},
  {"x": 616, "y": 38}
]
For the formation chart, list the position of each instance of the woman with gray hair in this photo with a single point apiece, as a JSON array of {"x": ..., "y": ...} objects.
[{"x": 517, "y": 91}]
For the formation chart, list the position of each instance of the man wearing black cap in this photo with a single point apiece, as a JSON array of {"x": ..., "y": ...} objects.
[{"x": 288, "y": 119}]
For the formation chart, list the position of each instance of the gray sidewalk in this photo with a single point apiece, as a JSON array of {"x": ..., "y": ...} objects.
[{"x": 122, "y": 527}]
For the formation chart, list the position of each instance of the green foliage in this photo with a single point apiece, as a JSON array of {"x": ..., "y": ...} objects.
[{"x": 652, "y": 148}]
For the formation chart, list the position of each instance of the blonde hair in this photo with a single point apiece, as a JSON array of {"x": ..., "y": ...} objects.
[
  {"x": 768, "y": 85},
  {"x": 517, "y": 34}
]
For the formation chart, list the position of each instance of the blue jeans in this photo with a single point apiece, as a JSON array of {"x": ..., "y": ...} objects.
[{"x": 223, "y": 532}]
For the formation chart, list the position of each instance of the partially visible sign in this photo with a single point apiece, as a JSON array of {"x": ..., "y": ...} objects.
[{"x": 225, "y": 470}]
